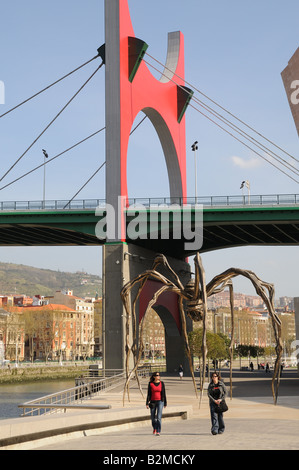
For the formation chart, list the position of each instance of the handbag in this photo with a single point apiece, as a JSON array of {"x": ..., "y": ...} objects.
[{"x": 222, "y": 408}]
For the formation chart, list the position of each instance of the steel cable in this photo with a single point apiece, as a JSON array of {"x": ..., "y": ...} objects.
[
  {"x": 48, "y": 87},
  {"x": 280, "y": 160},
  {"x": 52, "y": 121}
]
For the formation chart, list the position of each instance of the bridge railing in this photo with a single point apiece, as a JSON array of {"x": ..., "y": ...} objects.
[
  {"x": 206, "y": 201},
  {"x": 81, "y": 204},
  {"x": 222, "y": 201}
]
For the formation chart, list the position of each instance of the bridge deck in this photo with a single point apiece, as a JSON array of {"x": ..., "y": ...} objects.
[{"x": 224, "y": 225}]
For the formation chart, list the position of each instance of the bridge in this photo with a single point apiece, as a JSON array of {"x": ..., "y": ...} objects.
[
  {"x": 131, "y": 88},
  {"x": 228, "y": 221}
]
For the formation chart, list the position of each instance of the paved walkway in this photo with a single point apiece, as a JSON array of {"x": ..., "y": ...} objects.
[{"x": 252, "y": 422}]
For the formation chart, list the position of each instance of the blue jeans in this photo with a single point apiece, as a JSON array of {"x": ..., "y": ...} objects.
[
  {"x": 156, "y": 414},
  {"x": 216, "y": 419}
]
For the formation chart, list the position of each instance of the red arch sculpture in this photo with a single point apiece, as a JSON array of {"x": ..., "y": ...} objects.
[
  {"x": 167, "y": 299},
  {"x": 131, "y": 88}
]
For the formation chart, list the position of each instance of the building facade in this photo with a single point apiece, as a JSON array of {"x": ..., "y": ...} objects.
[
  {"x": 84, "y": 335},
  {"x": 57, "y": 328},
  {"x": 12, "y": 334},
  {"x": 290, "y": 77}
]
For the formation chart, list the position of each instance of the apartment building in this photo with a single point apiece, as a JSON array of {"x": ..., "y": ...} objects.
[
  {"x": 153, "y": 336},
  {"x": 98, "y": 327},
  {"x": 55, "y": 328},
  {"x": 12, "y": 334},
  {"x": 84, "y": 334}
]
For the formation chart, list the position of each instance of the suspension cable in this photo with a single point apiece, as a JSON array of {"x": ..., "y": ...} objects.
[
  {"x": 239, "y": 140},
  {"x": 48, "y": 87},
  {"x": 250, "y": 138},
  {"x": 221, "y": 107},
  {"x": 85, "y": 184},
  {"x": 102, "y": 165},
  {"x": 62, "y": 153},
  {"x": 53, "y": 158},
  {"x": 54, "y": 119},
  {"x": 239, "y": 131}
]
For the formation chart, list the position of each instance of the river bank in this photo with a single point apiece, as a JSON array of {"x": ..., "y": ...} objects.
[
  {"x": 12, "y": 395},
  {"x": 44, "y": 372}
]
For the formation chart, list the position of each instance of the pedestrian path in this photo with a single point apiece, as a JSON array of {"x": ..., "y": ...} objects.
[
  {"x": 193, "y": 434},
  {"x": 253, "y": 422}
]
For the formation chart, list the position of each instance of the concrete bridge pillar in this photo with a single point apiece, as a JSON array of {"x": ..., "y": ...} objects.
[
  {"x": 131, "y": 88},
  {"x": 123, "y": 262}
]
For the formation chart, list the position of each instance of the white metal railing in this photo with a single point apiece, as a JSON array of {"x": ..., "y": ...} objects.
[
  {"x": 206, "y": 201},
  {"x": 86, "y": 387}
]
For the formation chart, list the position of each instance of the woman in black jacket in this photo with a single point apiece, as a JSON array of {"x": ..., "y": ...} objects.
[
  {"x": 216, "y": 393},
  {"x": 156, "y": 400}
]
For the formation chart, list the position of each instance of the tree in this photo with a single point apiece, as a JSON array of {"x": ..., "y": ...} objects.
[
  {"x": 216, "y": 344},
  {"x": 249, "y": 350}
]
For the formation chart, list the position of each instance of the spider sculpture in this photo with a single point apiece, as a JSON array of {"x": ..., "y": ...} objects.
[{"x": 192, "y": 300}]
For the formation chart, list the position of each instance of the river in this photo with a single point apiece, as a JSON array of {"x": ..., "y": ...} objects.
[{"x": 12, "y": 395}]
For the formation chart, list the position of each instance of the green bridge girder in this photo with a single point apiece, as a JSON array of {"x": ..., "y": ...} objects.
[{"x": 224, "y": 227}]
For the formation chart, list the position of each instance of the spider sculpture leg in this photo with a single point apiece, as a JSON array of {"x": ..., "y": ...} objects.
[
  {"x": 185, "y": 336},
  {"x": 200, "y": 279},
  {"x": 131, "y": 317},
  {"x": 266, "y": 292},
  {"x": 125, "y": 295},
  {"x": 231, "y": 346},
  {"x": 168, "y": 285}
]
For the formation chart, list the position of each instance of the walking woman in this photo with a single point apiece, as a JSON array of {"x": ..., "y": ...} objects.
[
  {"x": 156, "y": 400},
  {"x": 216, "y": 393}
]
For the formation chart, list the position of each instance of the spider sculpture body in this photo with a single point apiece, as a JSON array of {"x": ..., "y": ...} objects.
[{"x": 192, "y": 301}]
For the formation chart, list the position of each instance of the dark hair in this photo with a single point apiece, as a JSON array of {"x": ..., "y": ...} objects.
[
  {"x": 154, "y": 374},
  {"x": 217, "y": 375}
]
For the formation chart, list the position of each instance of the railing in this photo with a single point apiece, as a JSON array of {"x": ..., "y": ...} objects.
[
  {"x": 86, "y": 387},
  {"x": 206, "y": 201},
  {"x": 222, "y": 201},
  {"x": 85, "y": 204}
]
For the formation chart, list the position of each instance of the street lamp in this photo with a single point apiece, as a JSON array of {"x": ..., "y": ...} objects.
[
  {"x": 44, "y": 186},
  {"x": 247, "y": 184},
  {"x": 194, "y": 147}
]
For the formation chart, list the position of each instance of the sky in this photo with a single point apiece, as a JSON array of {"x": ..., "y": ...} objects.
[{"x": 234, "y": 54}]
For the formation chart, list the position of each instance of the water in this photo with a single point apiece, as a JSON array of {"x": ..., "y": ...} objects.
[{"x": 12, "y": 395}]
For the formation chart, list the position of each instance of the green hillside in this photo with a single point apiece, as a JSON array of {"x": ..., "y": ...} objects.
[{"x": 20, "y": 279}]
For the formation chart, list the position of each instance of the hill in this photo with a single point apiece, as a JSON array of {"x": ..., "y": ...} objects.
[{"x": 20, "y": 279}]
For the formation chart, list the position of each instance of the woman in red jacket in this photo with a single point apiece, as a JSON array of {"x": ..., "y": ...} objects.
[{"x": 156, "y": 400}]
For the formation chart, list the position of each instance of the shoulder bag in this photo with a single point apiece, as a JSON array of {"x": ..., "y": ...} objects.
[{"x": 222, "y": 408}]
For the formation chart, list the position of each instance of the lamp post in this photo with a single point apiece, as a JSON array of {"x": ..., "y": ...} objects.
[
  {"x": 247, "y": 184},
  {"x": 194, "y": 147},
  {"x": 44, "y": 185}
]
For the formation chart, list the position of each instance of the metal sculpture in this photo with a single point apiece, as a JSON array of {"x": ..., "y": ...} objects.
[
  {"x": 131, "y": 88},
  {"x": 192, "y": 299}
]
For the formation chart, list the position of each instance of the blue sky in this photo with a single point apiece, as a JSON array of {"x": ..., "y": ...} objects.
[{"x": 234, "y": 53}]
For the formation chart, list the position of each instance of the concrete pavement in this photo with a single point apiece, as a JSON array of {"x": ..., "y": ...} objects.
[{"x": 252, "y": 422}]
